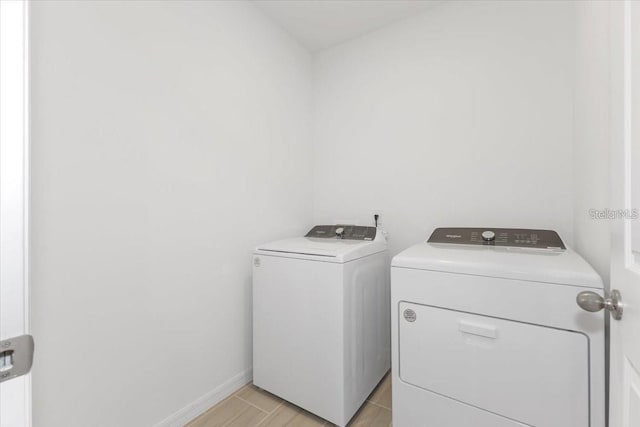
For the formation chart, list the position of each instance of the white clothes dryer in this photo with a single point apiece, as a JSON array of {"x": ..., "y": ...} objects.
[
  {"x": 486, "y": 332},
  {"x": 321, "y": 321}
]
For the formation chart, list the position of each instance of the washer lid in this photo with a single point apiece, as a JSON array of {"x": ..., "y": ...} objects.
[
  {"x": 564, "y": 267},
  {"x": 320, "y": 249}
]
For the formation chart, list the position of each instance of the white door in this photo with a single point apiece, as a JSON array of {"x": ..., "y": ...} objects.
[
  {"x": 624, "y": 379},
  {"x": 15, "y": 391}
]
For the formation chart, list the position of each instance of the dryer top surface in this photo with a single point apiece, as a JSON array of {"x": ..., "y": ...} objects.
[{"x": 564, "y": 267}]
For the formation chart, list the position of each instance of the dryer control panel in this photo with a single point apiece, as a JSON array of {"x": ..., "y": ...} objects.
[
  {"x": 349, "y": 232},
  {"x": 509, "y": 237}
]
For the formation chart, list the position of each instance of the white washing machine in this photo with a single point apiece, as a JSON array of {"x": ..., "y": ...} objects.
[
  {"x": 321, "y": 321},
  {"x": 486, "y": 332}
]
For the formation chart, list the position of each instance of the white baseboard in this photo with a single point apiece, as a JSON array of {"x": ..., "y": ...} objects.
[{"x": 200, "y": 405}]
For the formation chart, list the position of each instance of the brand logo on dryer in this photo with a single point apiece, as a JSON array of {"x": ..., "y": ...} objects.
[
  {"x": 409, "y": 315},
  {"x": 454, "y": 236}
]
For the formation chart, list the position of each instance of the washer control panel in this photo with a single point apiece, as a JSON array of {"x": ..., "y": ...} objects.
[
  {"x": 510, "y": 237},
  {"x": 349, "y": 232}
]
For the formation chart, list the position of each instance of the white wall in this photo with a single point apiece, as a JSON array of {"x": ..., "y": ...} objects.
[
  {"x": 458, "y": 117},
  {"x": 168, "y": 139},
  {"x": 591, "y": 135}
]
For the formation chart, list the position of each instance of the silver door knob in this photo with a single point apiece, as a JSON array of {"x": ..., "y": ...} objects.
[{"x": 591, "y": 301}]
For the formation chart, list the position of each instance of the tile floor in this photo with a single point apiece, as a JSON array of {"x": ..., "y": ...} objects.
[{"x": 253, "y": 407}]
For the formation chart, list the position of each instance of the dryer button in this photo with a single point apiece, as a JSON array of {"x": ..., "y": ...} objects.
[{"x": 488, "y": 236}]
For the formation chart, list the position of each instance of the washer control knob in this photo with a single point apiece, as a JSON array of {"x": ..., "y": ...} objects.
[
  {"x": 488, "y": 236},
  {"x": 340, "y": 232}
]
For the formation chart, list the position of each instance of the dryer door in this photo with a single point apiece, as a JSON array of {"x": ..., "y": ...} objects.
[{"x": 531, "y": 374}]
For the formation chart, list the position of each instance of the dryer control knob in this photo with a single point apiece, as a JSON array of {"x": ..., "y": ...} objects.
[
  {"x": 340, "y": 232},
  {"x": 488, "y": 236}
]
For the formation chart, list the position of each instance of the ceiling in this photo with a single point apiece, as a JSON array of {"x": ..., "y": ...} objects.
[{"x": 319, "y": 24}]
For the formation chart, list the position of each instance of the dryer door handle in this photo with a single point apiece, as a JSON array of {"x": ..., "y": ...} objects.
[{"x": 487, "y": 331}]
